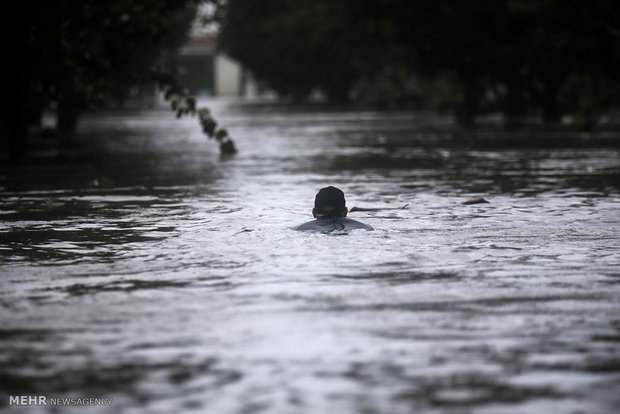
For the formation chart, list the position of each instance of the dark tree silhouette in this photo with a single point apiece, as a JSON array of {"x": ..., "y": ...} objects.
[
  {"x": 76, "y": 54},
  {"x": 514, "y": 56}
]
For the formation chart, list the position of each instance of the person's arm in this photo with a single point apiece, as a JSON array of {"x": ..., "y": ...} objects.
[
  {"x": 477, "y": 200},
  {"x": 354, "y": 209}
]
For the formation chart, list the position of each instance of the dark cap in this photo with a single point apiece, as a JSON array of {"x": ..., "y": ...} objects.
[{"x": 329, "y": 199}]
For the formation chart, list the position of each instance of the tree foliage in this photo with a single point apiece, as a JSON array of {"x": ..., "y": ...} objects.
[
  {"x": 515, "y": 56},
  {"x": 184, "y": 104},
  {"x": 77, "y": 54},
  {"x": 296, "y": 45}
]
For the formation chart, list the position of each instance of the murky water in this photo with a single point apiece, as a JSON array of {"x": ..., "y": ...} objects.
[{"x": 146, "y": 268}]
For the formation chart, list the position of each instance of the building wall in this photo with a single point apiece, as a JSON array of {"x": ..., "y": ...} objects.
[
  {"x": 205, "y": 71},
  {"x": 227, "y": 75}
]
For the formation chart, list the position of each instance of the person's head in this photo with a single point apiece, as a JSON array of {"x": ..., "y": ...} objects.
[{"x": 329, "y": 202}]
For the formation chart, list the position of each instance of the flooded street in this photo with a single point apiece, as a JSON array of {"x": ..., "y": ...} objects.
[{"x": 146, "y": 268}]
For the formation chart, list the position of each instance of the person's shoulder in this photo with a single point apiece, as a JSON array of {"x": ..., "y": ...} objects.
[
  {"x": 354, "y": 224},
  {"x": 320, "y": 225},
  {"x": 310, "y": 225},
  {"x": 333, "y": 224}
]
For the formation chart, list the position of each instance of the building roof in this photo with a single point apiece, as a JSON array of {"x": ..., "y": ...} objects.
[{"x": 199, "y": 46}]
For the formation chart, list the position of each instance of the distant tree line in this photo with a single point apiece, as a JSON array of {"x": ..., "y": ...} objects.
[
  {"x": 517, "y": 57},
  {"x": 76, "y": 55}
]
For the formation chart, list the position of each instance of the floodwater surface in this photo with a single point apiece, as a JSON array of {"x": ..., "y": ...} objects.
[{"x": 146, "y": 268}]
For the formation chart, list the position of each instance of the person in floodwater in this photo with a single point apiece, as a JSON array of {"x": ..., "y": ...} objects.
[{"x": 330, "y": 212}]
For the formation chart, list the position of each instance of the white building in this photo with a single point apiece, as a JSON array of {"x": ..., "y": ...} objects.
[{"x": 206, "y": 71}]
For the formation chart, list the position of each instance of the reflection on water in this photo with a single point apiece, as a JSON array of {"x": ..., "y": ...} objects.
[{"x": 145, "y": 268}]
